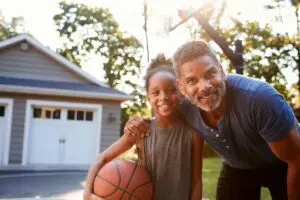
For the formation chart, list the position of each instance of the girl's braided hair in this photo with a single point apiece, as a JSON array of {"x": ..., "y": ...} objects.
[{"x": 158, "y": 64}]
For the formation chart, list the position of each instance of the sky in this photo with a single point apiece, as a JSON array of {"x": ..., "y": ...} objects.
[{"x": 38, "y": 17}]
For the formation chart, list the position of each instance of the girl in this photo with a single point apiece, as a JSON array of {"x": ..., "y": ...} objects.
[{"x": 172, "y": 152}]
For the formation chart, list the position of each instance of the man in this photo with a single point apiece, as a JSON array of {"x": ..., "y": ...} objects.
[{"x": 246, "y": 121}]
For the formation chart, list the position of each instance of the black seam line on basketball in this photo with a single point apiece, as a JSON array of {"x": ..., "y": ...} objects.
[
  {"x": 119, "y": 182},
  {"x": 117, "y": 188},
  {"x": 119, "y": 172},
  {"x": 131, "y": 194},
  {"x": 132, "y": 174}
]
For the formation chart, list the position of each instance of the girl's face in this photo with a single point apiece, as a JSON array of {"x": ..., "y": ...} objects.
[{"x": 163, "y": 94}]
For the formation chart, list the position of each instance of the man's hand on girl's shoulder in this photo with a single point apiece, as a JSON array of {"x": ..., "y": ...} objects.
[{"x": 137, "y": 126}]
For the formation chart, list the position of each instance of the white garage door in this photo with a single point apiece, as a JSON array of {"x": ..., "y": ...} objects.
[
  {"x": 63, "y": 135},
  {"x": 5, "y": 127}
]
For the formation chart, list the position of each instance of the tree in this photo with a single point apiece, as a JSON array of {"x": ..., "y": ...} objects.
[
  {"x": 11, "y": 28},
  {"x": 265, "y": 53},
  {"x": 146, "y": 13},
  {"x": 94, "y": 31},
  {"x": 278, "y": 5}
]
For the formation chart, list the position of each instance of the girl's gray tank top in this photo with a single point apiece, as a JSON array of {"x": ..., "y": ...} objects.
[{"x": 168, "y": 157}]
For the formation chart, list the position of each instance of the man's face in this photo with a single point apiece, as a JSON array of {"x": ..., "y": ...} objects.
[{"x": 202, "y": 80}]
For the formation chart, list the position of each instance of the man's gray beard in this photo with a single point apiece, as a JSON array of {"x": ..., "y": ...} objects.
[{"x": 221, "y": 92}]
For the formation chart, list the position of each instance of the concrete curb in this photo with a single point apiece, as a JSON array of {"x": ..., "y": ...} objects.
[{"x": 2, "y": 176}]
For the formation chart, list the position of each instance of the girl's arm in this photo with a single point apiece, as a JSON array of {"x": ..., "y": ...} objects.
[
  {"x": 197, "y": 149},
  {"x": 116, "y": 149}
]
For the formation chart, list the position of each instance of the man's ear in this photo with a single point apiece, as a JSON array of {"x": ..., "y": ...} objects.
[
  {"x": 180, "y": 86},
  {"x": 222, "y": 72}
]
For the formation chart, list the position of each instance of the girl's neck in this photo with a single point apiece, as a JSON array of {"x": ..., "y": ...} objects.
[{"x": 166, "y": 122}]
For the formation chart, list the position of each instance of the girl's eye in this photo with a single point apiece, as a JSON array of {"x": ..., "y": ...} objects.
[
  {"x": 154, "y": 93},
  {"x": 190, "y": 81}
]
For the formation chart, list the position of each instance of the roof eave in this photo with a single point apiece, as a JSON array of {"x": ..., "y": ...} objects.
[{"x": 68, "y": 93}]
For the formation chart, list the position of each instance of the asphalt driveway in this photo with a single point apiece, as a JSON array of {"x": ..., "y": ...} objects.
[{"x": 54, "y": 185}]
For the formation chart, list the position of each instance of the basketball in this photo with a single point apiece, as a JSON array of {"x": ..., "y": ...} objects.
[{"x": 123, "y": 179}]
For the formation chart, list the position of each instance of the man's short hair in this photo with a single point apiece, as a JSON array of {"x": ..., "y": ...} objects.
[{"x": 191, "y": 51}]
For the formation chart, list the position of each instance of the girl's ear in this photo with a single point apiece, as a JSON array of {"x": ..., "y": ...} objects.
[{"x": 147, "y": 96}]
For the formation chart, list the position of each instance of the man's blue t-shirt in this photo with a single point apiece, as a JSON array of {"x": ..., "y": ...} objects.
[{"x": 255, "y": 113}]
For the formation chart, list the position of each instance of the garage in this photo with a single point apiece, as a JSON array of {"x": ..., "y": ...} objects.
[{"x": 62, "y": 133}]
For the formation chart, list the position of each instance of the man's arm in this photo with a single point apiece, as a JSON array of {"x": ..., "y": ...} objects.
[
  {"x": 197, "y": 149},
  {"x": 287, "y": 149}
]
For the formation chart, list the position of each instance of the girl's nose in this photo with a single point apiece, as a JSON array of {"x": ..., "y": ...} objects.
[{"x": 164, "y": 96}]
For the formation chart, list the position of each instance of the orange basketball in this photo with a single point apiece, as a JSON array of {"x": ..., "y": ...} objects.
[{"x": 123, "y": 179}]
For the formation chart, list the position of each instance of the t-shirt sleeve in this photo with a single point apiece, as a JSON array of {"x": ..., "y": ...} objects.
[{"x": 273, "y": 116}]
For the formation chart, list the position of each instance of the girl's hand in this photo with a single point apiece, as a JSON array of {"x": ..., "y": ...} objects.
[
  {"x": 94, "y": 197},
  {"x": 91, "y": 196}
]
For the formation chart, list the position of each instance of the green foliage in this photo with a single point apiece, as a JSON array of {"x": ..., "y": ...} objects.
[
  {"x": 94, "y": 31},
  {"x": 265, "y": 53},
  {"x": 277, "y": 6},
  {"x": 8, "y": 29}
]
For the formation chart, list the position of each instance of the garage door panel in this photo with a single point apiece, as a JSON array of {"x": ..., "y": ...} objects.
[
  {"x": 45, "y": 147},
  {"x": 80, "y": 142}
]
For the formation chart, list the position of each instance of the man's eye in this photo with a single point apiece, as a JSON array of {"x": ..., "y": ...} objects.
[{"x": 211, "y": 73}]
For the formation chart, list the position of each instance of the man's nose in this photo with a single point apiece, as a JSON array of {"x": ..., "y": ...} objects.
[{"x": 204, "y": 86}]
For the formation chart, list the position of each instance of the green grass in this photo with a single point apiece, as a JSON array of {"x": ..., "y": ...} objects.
[{"x": 211, "y": 169}]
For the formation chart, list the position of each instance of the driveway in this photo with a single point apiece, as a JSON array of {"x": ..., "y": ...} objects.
[{"x": 53, "y": 185}]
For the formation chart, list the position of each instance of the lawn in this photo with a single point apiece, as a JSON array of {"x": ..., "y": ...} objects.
[{"x": 211, "y": 168}]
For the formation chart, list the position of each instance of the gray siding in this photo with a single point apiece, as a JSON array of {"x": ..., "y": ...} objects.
[
  {"x": 32, "y": 64},
  {"x": 17, "y": 131},
  {"x": 109, "y": 131}
]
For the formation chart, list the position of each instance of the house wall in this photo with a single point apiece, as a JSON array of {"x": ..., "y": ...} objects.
[
  {"x": 109, "y": 132},
  {"x": 32, "y": 64}
]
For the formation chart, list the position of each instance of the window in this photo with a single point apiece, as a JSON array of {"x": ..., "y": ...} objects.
[
  {"x": 37, "y": 112},
  {"x": 2, "y": 111},
  {"x": 56, "y": 114},
  {"x": 89, "y": 116},
  {"x": 80, "y": 115},
  {"x": 71, "y": 114},
  {"x": 46, "y": 113}
]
